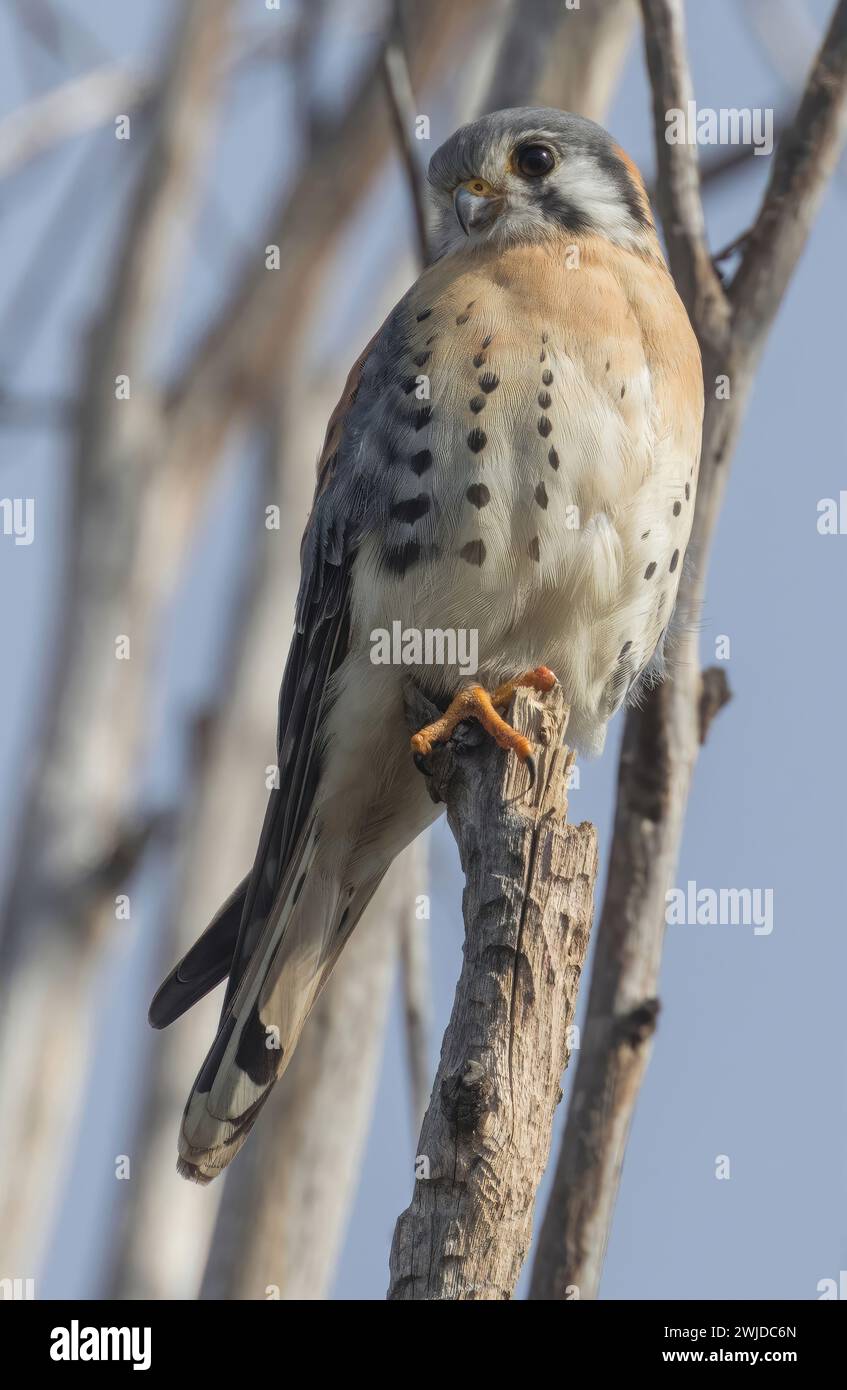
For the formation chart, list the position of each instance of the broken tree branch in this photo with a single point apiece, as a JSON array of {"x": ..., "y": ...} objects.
[
  {"x": 662, "y": 739},
  {"x": 527, "y": 907}
]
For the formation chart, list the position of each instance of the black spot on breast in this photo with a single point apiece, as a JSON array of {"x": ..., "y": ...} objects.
[
  {"x": 545, "y": 426},
  {"x": 411, "y": 509},
  {"x": 674, "y": 561},
  {"x": 424, "y": 314},
  {"x": 400, "y": 558},
  {"x": 534, "y": 549},
  {"x": 541, "y": 495},
  {"x": 462, "y": 318},
  {"x": 542, "y": 356},
  {"x": 687, "y": 491},
  {"x": 480, "y": 359},
  {"x": 487, "y": 340},
  {"x": 545, "y": 337},
  {"x": 544, "y": 399},
  {"x": 650, "y": 570},
  {"x": 644, "y": 535},
  {"x": 473, "y": 552},
  {"x": 677, "y": 508},
  {"x": 422, "y": 417},
  {"x": 478, "y": 494},
  {"x": 608, "y": 365},
  {"x": 623, "y": 392},
  {"x": 476, "y": 403},
  {"x": 477, "y": 440},
  {"x": 547, "y": 376},
  {"x": 421, "y": 461},
  {"x": 421, "y": 359},
  {"x": 489, "y": 382},
  {"x": 409, "y": 385},
  {"x": 553, "y": 459},
  {"x": 624, "y": 649}
]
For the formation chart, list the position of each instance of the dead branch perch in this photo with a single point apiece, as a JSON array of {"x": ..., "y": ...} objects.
[{"x": 527, "y": 907}]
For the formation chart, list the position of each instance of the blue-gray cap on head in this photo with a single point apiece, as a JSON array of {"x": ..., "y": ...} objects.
[{"x": 530, "y": 173}]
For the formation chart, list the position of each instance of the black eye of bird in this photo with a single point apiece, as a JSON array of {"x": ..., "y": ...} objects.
[{"x": 534, "y": 160}]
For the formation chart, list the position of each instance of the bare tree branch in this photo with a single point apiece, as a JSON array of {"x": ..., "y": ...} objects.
[
  {"x": 678, "y": 189},
  {"x": 662, "y": 740},
  {"x": 804, "y": 161},
  {"x": 401, "y": 102},
  {"x": 527, "y": 907},
  {"x": 87, "y": 102},
  {"x": 72, "y": 108}
]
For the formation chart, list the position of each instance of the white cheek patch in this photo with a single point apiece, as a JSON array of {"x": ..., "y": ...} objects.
[{"x": 595, "y": 193}]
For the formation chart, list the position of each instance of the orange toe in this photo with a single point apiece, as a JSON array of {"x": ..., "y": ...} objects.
[{"x": 476, "y": 703}]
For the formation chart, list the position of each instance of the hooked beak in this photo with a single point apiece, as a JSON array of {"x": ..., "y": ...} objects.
[{"x": 476, "y": 205}]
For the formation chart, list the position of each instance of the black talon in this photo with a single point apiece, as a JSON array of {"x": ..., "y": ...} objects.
[
  {"x": 529, "y": 764},
  {"x": 421, "y": 764}
]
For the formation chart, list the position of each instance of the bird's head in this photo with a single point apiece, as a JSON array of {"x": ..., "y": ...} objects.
[{"x": 526, "y": 175}]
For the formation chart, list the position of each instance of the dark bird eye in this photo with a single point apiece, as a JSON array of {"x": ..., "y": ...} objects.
[{"x": 534, "y": 160}]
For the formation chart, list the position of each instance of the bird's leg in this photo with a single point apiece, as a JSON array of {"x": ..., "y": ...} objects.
[{"x": 476, "y": 703}]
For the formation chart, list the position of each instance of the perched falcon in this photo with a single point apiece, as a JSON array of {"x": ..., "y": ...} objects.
[{"x": 515, "y": 453}]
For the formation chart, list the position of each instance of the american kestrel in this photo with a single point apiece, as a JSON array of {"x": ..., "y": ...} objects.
[{"x": 515, "y": 455}]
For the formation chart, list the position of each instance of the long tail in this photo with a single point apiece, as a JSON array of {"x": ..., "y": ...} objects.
[{"x": 299, "y": 944}]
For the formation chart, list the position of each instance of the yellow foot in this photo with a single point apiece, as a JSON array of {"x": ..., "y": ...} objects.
[{"x": 476, "y": 703}]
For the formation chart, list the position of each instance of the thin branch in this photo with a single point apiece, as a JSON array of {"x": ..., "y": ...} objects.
[
  {"x": 70, "y": 109},
  {"x": 84, "y": 103},
  {"x": 680, "y": 205},
  {"x": 804, "y": 161},
  {"x": 403, "y": 108}
]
